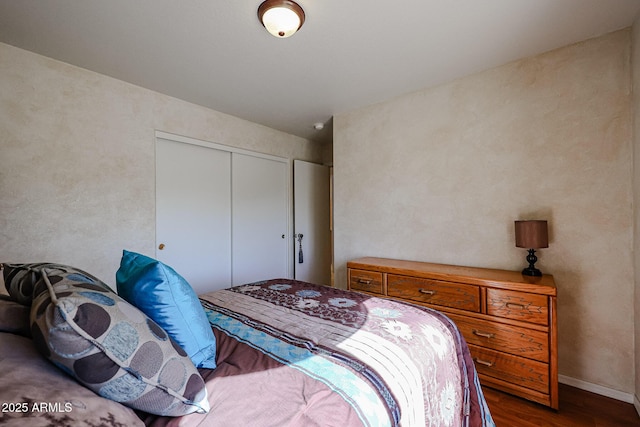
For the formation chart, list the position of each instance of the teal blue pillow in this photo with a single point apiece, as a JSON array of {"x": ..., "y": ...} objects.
[{"x": 166, "y": 297}]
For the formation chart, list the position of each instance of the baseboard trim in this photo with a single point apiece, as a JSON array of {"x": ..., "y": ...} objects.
[
  {"x": 601, "y": 390},
  {"x": 636, "y": 403}
]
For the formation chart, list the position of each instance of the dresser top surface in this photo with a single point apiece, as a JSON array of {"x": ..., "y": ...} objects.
[{"x": 481, "y": 276}]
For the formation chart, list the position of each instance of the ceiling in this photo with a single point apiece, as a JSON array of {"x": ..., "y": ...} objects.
[{"x": 348, "y": 54}]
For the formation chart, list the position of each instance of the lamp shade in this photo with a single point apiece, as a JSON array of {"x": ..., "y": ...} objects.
[
  {"x": 282, "y": 18},
  {"x": 532, "y": 234}
]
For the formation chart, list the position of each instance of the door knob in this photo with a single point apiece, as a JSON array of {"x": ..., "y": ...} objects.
[{"x": 161, "y": 246}]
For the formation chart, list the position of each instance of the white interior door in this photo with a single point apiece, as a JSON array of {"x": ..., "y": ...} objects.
[
  {"x": 311, "y": 201},
  {"x": 193, "y": 213},
  {"x": 259, "y": 226}
]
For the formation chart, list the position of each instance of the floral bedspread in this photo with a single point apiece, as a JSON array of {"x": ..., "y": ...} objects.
[{"x": 391, "y": 363}]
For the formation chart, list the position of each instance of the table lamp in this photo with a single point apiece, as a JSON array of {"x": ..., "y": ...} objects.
[{"x": 532, "y": 234}]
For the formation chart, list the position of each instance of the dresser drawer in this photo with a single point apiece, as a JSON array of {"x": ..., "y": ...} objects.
[
  {"x": 363, "y": 280},
  {"x": 517, "y": 370},
  {"x": 510, "y": 339},
  {"x": 518, "y": 305},
  {"x": 448, "y": 294}
]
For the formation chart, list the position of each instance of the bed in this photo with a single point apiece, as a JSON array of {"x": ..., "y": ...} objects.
[{"x": 287, "y": 353}]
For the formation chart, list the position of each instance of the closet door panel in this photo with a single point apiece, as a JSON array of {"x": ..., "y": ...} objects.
[
  {"x": 259, "y": 225},
  {"x": 193, "y": 213}
]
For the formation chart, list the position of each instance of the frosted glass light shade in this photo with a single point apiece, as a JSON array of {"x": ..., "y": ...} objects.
[{"x": 282, "y": 18}]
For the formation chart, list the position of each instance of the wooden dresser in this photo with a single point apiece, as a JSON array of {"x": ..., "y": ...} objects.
[{"x": 508, "y": 320}]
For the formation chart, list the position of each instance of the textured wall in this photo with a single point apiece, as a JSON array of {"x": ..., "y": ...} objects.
[
  {"x": 441, "y": 174},
  {"x": 77, "y": 162},
  {"x": 635, "y": 55}
]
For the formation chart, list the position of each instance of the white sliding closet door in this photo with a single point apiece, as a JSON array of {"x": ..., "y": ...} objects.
[
  {"x": 222, "y": 215},
  {"x": 259, "y": 225},
  {"x": 193, "y": 213}
]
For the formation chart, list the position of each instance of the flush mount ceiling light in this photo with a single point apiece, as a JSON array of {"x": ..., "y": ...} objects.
[{"x": 282, "y": 18}]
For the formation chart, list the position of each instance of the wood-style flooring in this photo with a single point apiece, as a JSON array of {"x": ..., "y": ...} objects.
[{"x": 578, "y": 408}]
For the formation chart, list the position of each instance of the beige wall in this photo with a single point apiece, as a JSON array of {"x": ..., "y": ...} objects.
[
  {"x": 441, "y": 174},
  {"x": 635, "y": 55},
  {"x": 77, "y": 167}
]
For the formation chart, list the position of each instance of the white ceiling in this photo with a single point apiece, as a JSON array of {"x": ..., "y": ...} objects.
[{"x": 348, "y": 54}]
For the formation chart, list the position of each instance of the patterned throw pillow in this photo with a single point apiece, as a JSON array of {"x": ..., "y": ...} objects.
[{"x": 108, "y": 345}]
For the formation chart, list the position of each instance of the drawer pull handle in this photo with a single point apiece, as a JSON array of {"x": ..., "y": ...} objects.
[
  {"x": 483, "y": 334},
  {"x": 364, "y": 281},
  {"x": 515, "y": 305},
  {"x": 427, "y": 291},
  {"x": 483, "y": 362}
]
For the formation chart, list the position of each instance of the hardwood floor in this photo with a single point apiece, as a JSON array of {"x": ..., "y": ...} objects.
[{"x": 578, "y": 408}]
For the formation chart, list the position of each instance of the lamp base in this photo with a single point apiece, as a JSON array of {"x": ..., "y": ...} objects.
[{"x": 531, "y": 270}]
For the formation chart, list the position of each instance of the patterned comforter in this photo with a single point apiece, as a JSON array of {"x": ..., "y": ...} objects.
[{"x": 295, "y": 354}]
